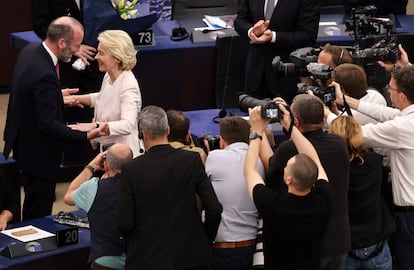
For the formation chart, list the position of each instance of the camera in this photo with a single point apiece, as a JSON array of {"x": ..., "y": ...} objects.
[
  {"x": 384, "y": 50},
  {"x": 363, "y": 22},
  {"x": 326, "y": 94},
  {"x": 79, "y": 65},
  {"x": 270, "y": 109},
  {"x": 213, "y": 141},
  {"x": 299, "y": 59}
]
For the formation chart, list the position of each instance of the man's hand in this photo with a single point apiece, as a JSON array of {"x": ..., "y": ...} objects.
[
  {"x": 102, "y": 130},
  {"x": 69, "y": 99},
  {"x": 403, "y": 61},
  {"x": 265, "y": 37},
  {"x": 86, "y": 53},
  {"x": 260, "y": 27},
  {"x": 339, "y": 95},
  {"x": 257, "y": 123}
]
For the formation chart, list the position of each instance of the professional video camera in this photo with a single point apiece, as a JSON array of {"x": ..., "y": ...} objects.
[
  {"x": 384, "y": 50},
  {"x": 270, "y": 109},
  {"x": 363, "y": 22},
  {"x": 299, "y": 58},
  {"x": 326, "y": 94}
]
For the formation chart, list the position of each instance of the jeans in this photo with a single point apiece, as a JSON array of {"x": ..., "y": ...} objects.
[
  {"x": 233, "y": 258},
  {"x": 402, "y": 240},
  {"x": 382, "y": 261}
]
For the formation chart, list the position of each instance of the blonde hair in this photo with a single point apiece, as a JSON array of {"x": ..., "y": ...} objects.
[
  {"x": 119, "y": 44},
  {"x": 350, "y": 129}
]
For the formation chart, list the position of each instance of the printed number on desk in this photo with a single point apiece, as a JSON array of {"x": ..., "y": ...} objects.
[
  {"x": 144, "y": 38},
  {"x": 67, "y": 237}
]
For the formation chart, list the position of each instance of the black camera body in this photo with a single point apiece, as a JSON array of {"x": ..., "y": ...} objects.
[
  {"x": 213, "y": 141},
  {"x": 326, "y": 94},
  {"x": 299, "y": 59},
  {"x": 270, "y": 109},
  {"x": 363, "y": 23},
  {"x": 384, "y": 50}
]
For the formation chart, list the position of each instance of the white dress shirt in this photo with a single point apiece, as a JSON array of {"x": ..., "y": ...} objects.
[{"x": 395, "y": 133}]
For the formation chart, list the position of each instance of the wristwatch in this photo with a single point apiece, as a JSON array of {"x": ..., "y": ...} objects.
[{"x": 254, "y": 136}]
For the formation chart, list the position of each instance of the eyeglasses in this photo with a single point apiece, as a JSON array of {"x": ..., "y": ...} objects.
[{"x": 388, "y": 87}]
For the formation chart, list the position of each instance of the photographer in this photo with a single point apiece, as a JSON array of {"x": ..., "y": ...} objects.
[
  {"x": 296, "y": 219},
  {"x": 308, "y": 112},
  {"x": 98, "y": 198},
  {"x": 394, "y": 134},
  {"x": 235, "y": 242},
  {"x": 353, "y": 81}
]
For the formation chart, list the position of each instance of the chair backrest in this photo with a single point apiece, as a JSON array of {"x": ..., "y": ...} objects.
[
  {"x": 230, "y": 69},
  {"x": 196, "y": 9}
]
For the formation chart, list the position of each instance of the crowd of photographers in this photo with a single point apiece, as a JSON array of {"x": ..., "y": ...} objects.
[{"x": 379, "y": 145}]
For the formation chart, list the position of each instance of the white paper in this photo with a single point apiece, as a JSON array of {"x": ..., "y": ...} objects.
[
  {"x": 215, "y": 22},
  {"x": 327, "y": 23},
  {"x": 36, "y": 234}
]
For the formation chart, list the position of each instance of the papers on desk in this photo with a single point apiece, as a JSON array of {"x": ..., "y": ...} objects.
[
  {"x": 217, "y": 23},
  {"x": 27, "y": 233}
]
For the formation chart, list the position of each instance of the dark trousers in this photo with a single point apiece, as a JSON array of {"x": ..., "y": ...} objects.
[
  {"x": 403, "y": 240},
  {"x": 39, "y": 194},
  {"x": 233, "y": 258},
  {"x": 337, "y": 262}
]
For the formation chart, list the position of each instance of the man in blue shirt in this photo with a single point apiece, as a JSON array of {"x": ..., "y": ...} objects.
[{"x": 98, "y": 198}]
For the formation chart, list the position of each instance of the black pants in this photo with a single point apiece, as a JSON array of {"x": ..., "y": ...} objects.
[{"x": 39, "y": 195}]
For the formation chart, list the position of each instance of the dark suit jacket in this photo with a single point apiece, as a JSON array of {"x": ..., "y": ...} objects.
[
  {"x": 157, "y": 210},
  {"x": 296, "y": 25},
  {"x": 35, "y": 127},
  {"x": 45, "y": 11}
]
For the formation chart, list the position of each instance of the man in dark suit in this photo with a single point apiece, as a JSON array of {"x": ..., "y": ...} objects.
[
  {"x": 157, "y": 210},
  {"x": 292, "y": 24},
  {"x": 35, "y": 125},
  {"x": 43, "y": 13}
]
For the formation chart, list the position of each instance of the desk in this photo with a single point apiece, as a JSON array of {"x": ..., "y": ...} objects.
[
  {"x": 63, "y": 258},
  {"x": 181, "y": 74},
  {"x": 201, "y": 122}
]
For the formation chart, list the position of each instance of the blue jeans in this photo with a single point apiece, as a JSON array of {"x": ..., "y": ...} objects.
[
  {"x": 233, "y": 258},
  {"x": 382, "y": 261},
  {"x": 402, "y": 240}
]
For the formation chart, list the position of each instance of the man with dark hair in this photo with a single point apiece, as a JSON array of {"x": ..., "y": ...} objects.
[
  {"x": 43, "y": 13},
  {"x": 98, "y": 198},
  {"x": 180, "y": 135},
  {"x": 294, "y": 221},
  {"x": 157, "y": 203},
  {"x": 236, "y": 238},
  {"x": 394, "y": 135},
  {"x": 35, "y": 126},
  {"x": 354, "y": 83},
  {"x": 308, "y": 112}
]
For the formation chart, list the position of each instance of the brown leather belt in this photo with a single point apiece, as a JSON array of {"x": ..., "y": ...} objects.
[{"x": 246, "y": 243}]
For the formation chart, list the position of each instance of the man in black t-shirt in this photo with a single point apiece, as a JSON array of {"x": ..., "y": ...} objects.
[
  {"x": 294, "y": 222},
  {"x": 333, "y": 153}
]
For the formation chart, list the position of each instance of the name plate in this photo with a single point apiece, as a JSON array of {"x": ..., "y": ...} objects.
[
  {"x": 67, "y": 237},
  {"x": 144, "y": 38}
]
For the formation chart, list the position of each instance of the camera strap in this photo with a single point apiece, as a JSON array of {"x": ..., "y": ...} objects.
[
  {"x": 292, "y": 120},
  {"x": 346, "y": 106}
]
